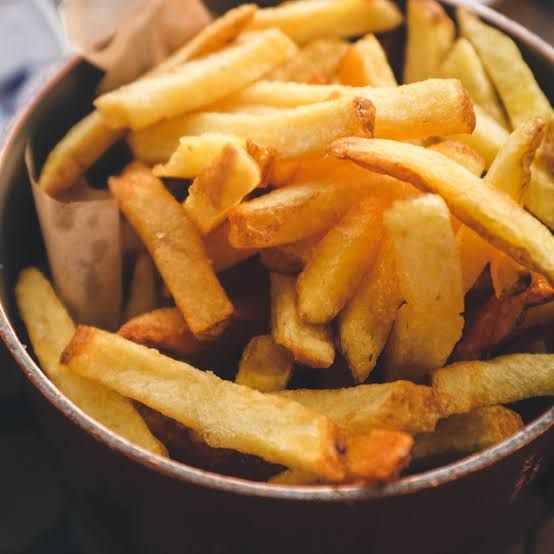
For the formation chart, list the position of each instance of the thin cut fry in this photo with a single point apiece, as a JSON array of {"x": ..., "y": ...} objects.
[
  {"x": 226, "y": 415},
  {"x": 340, "y": 260},
  {"x": 310, "y": 344},
  {"x": 143, "y": 295},
  {"x": 176, "y": 248},
  {"x": 221, "y": 253},
  {"x": 265, "y": 366},
  {"x": 470, "y": 385},
  {"x": 50, "y": 329},
  {"x": 430, "y": 36},
  {"x": 462, "y": 154},
  {"x": 305, "y": 20},
  {"x": 195, "y": 84},
  {"x": 492, "y": 214}
]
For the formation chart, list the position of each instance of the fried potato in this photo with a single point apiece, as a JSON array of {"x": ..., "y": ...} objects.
[
  {"x": 293, "y": 477},
  {"x": 475, "y": 253},
  {"x": 310, "y": 344},
  {"x": 462, "y": 154},
  {"x": 81, "y": 146},
  {"x": 317, "y": 62},
  {"x": 340, "y": 260},
  {"x": 50, "y": 329},
  {"x": 305, "y": 20},
  {"x": 492, "y": 214},
  {"x": 221, "y": 253},
  {"x": 289, "y": 133},
  {"x": 225, "y": 415},
  {"x": 470, "y": 385},
  {"x": 507, "y": 276},
  {"x": 265, "y": 366},
  {"x": 397, "y": 406},
  {"x": 289, "y": 259},
  {"x": 220, "y": 187},
  {"x": 417, "y": 111},
  {"x": 464, "y": 434},
  {"x": 430, "y": 36},
  {"x": 365, "y": 64},
  {"x": 176, "y": 248},
  {"x": 196, "y": 83},
  {"x": 365, "y": 323},
  {"x": 143, "y": 290},
  {"x": 539, "y": 196},
  {"x": 538, "y": 316}
]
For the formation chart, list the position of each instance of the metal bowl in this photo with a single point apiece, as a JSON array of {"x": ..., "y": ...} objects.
[{"x": 155, "y": 505}]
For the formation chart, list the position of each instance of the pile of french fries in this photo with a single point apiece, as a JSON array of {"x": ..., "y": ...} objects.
[{"x": 366, "y": 214}]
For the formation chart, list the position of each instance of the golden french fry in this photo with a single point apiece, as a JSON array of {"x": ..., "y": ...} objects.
[
  {"x": 462, "y": 154},
  {"x": 50, "y": 329},
  {"x": 491, "y": 213},
  {"x": 539, "y": 196},
  {"x": 225, "y": 415},
  {"x": 176, "y": 248},
  {"x": 430, "y": 36},
  {"x": 289, "y": 133},
  {"x": 221, "y": 253},
  {"x": 82, "y": 145},
  {"x": 143, "y": 293},
  {"x": 265, "y": 366},
  {"x": 476, "y": 384},
  {"x": 366, "y": 64},
  {"x": 507, "y": 276},
  {"x": 317, "y": 62},
  {"x": 366, "y": 321},
  {"x": 475, "y": 253},
  {"x": 220, "y": 187},
  {"x": 196, "y": 83},
  {"x": 289, "y": 258},
  {"x": 310, "y": 344},
  {"x": 464, "y": 63},
  {"x": 340, "y": 260},
  {"x": 464, "y": 434},
  {"x": 397, "y": 406},
  {"x": 305, "y": 20}
]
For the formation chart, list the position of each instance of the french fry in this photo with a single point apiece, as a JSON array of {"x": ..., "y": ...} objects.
[
  {"x": 366, "y": 321},
  {"x": 220, "y": 187},
  {"x": 464, "y": 434},
  {"x": 317, "y": 62},
  {"x": 176, "y": 248},
  {"x": 143, "y": 293},
  {"x": 289, "y": 259},
  {"x": 365, "y": 64},
  {"x": 196, "y": 83},
  {"x": 225, "y": 415},
  {"x": 397, "y": 406},
  {"x": 539, "y": 196},
  {"x": 495, "y": 216},
  {"x": 538, "y": 316},
  {"x": 507, "y": 276},
  {"x": 293, "y": 477},
  {"x": 265, "y": 366},
  {"x": 221, "y": 253},
  {"x": 475, "y": 253},
  {"x": 305, "y": 20},
  {"x": 82, "y": 145},
  {"x": 340, "y": 260},
  {"x": 50, "y": 329},
  {"x": 289, "y": 133},
  {"x": 462, "y": 154},
  {"x": 310, "y": 344},
  {"x": 464, "y": 63},
  {"x": 430, "y": 36},
  {"x": 476, "y": 384}
]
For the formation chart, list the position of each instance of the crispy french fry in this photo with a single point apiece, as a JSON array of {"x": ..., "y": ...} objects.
[
  {"x": 220, "y": 251},
  {"x": 492, "y": 214},
  {"x": 310, "y": 344},
  {"x": 220, "y": 187},
  {"x": 225, "y": 415},
  {"x": 462, "y": 154},
  {"x": 289, "y": 133},
  {"x": 265, "y": 366},
  {"x": 366, "y": 321},
  {"x": 539, "y": 196},
  {"x": 397, "y": 406},
  {"x": 196, "y": 83},
  {"x": 430, "y": 36},
  {"x": 470, "y": 385},
  {"x": 475, "y": 253},
  {"x": 464, "y": 434},
  {"x": 464, "y": 63},
  {"x": 176, "y": 248},
  {"x": 50, "y": 329},
  {"x": 82, "y": 145},
  {"x": 305, "y": 20},
  {"x": 317, "y": 62},
  {"x": 340, "y": 260},
  {"x": 366, "y": 64},
  {"x": 289, "y": 258},
  {"x": 507, "y": 276},
  {"x": 143, "y": 294}
]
